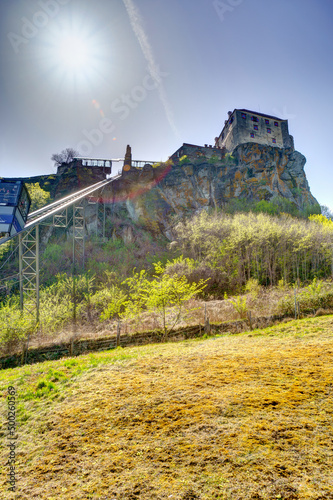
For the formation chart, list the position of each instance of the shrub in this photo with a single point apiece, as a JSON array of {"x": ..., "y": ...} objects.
[
  {"x": 253, "y": 288},
  {"x": 109, "y": 301},
  {"x": 240, "y": 305},
  {"x": 15, "y": 325},
  {"x": 183, "y": 160},
  {"x": 317, "y": 295}
]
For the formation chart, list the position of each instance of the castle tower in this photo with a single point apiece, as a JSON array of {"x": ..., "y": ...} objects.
[{"x": 244, "y": 126}]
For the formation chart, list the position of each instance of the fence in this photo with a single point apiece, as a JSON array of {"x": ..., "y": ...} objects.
[{"x": 102, "y": 344}]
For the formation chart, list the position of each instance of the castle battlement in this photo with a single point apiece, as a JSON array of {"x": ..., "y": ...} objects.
[{"x": 243, "y": 126}]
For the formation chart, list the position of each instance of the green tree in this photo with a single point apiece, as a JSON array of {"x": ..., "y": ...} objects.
[
  {"x": 259, "y": 246},
  {"x": 115, "y": 298},
  {"x": 160, "y": 294},
  {"x": 38, "y": 196}
]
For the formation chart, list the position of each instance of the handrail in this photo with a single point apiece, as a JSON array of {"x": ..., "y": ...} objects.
[{"x": 61, "y": 200}]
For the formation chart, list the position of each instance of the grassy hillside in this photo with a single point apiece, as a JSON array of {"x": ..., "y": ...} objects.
[
  {"x": 247, "y": 416},
  {"x": 230, "y": 253}
]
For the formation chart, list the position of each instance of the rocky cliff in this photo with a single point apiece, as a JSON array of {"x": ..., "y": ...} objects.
[
  {"x": 150, "y": 196},
  {"x": 254, "y": 172}
]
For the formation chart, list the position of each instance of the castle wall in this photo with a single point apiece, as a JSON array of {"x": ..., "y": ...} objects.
[
  {"x": 100, "y": 168},
  {"x": 288, "y": 139},
  {"x": 194, "y": 152},
  {"x": 245, "y": 126}
]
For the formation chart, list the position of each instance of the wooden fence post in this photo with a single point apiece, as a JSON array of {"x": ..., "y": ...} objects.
[
  {"x": 118, "y": 334},
  {"x": 250, "y": 319}
]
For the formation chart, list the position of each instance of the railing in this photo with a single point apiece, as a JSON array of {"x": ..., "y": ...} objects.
[
  {"x": 96, "y": 162},
  {"x": 141, "y": 163},
  {"x": 101, "y": 162}
]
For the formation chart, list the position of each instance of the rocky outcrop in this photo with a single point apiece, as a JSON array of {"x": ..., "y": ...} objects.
[
  {"x": 149, "y": 196},
  {"x": 254, "y": 172},
  {"x": 264, "y": 172}
]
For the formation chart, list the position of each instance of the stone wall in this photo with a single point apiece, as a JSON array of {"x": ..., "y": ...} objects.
[{"x": 194, "y": 152}]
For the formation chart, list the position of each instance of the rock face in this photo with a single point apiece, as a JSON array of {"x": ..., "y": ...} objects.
[
  {"x": 264, "y": 172},
  {"x": 255, "y": 172},
  {"x": 150, "y": 196}
]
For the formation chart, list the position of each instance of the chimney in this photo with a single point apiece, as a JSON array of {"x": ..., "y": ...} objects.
[{"x": 128, "y": 159}]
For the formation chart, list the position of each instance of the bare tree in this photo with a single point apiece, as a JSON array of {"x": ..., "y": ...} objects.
[
  {"x": 326, "y": 211},
  {"x": 66, "y": 156}
]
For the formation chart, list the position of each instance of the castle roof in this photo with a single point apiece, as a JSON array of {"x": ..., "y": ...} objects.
[{"x": 260, "y": 114}]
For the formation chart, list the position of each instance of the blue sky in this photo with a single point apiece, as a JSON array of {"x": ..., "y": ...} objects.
[{"x": 155, "y": 74}]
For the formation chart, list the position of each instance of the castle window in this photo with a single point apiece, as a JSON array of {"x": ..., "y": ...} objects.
[
  {"x": 231, "y": 120},
  {"x": 269, "y": 131},
  {"x": 254, "y": 118},
  {"x": 266, "y": 122},
  {"x": 276, "y": 124},
  {"x": 274, "y": 140},
  {"x": 222, "y": 136},
  {"x": 252, "y": 135},
  {"x": 244, "y": 116},
  {"x": 255, "y": 127}
]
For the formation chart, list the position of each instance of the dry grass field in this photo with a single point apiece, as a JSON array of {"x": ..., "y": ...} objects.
[{"x": 233, "y": 417}]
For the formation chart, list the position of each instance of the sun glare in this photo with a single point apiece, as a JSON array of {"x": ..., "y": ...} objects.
[
  {"x": 74, "y": 57},
  {"x": 73, "y": 52}
]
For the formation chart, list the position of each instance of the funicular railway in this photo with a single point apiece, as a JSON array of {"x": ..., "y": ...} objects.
[{"x": 16, "y": 222}]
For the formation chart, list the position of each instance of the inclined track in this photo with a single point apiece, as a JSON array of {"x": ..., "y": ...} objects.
[{"x": 43, "y": 213}]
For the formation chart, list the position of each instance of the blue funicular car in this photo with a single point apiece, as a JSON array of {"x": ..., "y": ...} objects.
[{"x": 14, "y": 207}]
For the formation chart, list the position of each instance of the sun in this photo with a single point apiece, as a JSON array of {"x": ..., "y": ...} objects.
[
  {"x": 74, "y": 57},
  {"x": 73, "y": 52}
]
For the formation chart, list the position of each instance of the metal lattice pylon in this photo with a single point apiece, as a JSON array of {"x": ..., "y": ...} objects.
[
  {"x": 78, "y": 234},
  {"x": 61, "y": 219},
  {"x": 101, "y": 218},
  {"x": 29, "y": 271},
  {"x": 100, "y": 215}
]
